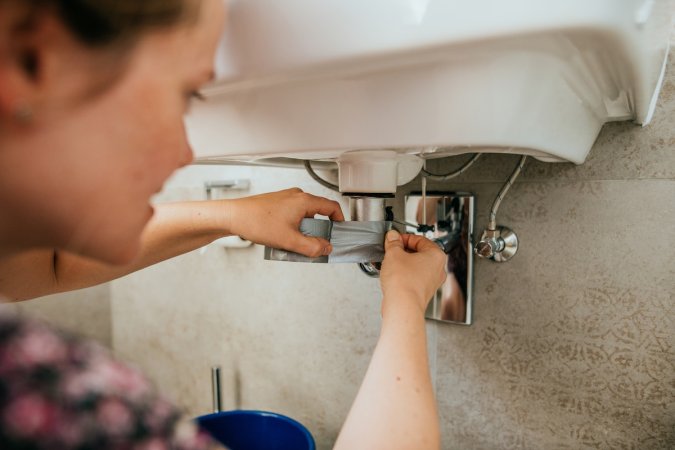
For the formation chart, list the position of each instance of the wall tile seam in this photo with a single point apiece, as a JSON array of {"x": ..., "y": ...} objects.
[{"x": 434, "y": 185}]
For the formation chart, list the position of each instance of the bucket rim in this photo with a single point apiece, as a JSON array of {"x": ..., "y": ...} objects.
[{"x": 260, "y": 413}]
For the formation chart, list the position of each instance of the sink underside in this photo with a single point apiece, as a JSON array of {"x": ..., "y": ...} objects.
[{"x": 542, "y": 82}]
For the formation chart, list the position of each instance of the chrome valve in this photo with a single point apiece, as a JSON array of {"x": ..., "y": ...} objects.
[{"x": 498, "y": 245}]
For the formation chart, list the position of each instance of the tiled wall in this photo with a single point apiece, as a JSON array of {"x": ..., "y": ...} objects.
[
  {"x": 573, "y": 344},
  {"x": 290, "y": 337},
  {"x": 85, "y": 312}
]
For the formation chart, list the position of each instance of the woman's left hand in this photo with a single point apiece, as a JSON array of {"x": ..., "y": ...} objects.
[{"x": 274, "y": 219}]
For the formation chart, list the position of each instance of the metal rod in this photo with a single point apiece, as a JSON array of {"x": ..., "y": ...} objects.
[
  {"x": 424, "y": 194},
  {"x": 215, "y": 389},
  {"x": 404, "y": 223},
  {"x": 232, "y": 185}
]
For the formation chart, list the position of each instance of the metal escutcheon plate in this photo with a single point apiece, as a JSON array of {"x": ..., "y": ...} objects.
[{"x": 452, "y": 215}]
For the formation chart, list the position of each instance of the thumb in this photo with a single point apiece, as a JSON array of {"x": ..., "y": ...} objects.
[
  {"x": 393, "y": 240},
  {"x": 311, "y": 246}
]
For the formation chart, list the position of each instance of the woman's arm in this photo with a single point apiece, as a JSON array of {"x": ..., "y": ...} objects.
[
  {"x": 176, "y": 228},
  {"x": 395, "y": 407}
]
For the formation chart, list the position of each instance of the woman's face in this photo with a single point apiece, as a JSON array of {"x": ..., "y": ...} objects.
[{"x": 80, "y": 179}]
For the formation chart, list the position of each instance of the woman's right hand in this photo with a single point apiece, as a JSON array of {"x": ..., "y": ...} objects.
[
  {"x": 412, "y": 270},
  {"x": 274, "y": 219},
  {"x": 398, "y": 380}
]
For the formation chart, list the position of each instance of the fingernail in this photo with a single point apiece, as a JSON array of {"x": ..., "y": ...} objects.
[
  {"x": 327, "y": 249},
  {"x": 393, "y": 235}
]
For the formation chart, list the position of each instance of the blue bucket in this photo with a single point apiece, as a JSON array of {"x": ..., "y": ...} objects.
[{"x": 257, "y": 430}]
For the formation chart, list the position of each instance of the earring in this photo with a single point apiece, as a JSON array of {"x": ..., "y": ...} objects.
[{"x": 23, "y": 112}]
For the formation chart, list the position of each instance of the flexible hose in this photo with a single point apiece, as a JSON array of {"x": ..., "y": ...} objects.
[
  {"x": 447, "y": 176},
  {"x": 318, "y": 179},
  {"x": 492, "y": 223}
]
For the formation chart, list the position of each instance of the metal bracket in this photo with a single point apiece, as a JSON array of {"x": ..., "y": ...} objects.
[{"x": 226, "y": 185}]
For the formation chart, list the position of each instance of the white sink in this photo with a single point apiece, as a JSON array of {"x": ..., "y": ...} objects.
[{"x": 311, "y": 79}]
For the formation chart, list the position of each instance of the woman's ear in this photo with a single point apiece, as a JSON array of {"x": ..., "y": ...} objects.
[
  {"x": 19, "y": 64},
  {"x": 43, "y": 67}
]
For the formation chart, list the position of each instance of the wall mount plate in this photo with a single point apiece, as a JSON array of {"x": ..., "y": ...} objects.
[{"x": 452, "y": 215}]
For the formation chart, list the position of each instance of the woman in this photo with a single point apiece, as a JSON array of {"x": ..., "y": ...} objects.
[{"x": 92, "y": 95}]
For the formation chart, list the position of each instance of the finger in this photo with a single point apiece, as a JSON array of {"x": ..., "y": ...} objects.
[
  {"x": 406, "y": 237},
  {"x": 393, "y": 240},
  {"x": 310, "y": 246},
  {"x": 418, "y": 243},
  {"x": 325, "y": 207}
]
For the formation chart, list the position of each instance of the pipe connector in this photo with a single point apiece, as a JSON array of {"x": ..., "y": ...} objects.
[{"x": 498, "y": 245}]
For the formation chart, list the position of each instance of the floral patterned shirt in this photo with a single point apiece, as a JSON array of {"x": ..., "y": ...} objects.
[{"x": 61, "y": 392}]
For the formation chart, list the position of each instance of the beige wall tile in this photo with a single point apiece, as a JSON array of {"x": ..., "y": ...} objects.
[
  {"x": 289, "y": 337},
  {"x": 573, "y": 340},
  {"x": 85, "y": 312},
  {"x": 292, "y": 338}
]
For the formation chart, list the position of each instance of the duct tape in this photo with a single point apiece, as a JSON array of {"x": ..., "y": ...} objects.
[{"x": 352, "y": 241}]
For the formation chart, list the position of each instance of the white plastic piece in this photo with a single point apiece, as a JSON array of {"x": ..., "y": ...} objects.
[
  {"x": 228, "y": 242},
  {"x": 408, "y": 168},
  {"x": 232, "y": 242},
  {"x": 311, "y": 80},
  {"x": 376, "y": 171}
]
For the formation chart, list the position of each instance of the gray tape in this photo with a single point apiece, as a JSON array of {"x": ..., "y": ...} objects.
[{"x": 352, "y": 242}]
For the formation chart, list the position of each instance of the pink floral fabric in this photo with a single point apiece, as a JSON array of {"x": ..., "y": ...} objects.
[{"x": 60, "y": 392}]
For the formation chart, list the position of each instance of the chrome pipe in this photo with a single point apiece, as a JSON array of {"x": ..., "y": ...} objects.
[
  {"x": 215, "y": 389},
  {"x": 363, "y": 208}
]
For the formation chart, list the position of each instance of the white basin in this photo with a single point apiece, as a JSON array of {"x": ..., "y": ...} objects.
[{"x": 311, "y": 79}]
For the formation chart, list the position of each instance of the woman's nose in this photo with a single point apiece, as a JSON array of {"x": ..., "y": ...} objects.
[{"x": 188, "y": 155}]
